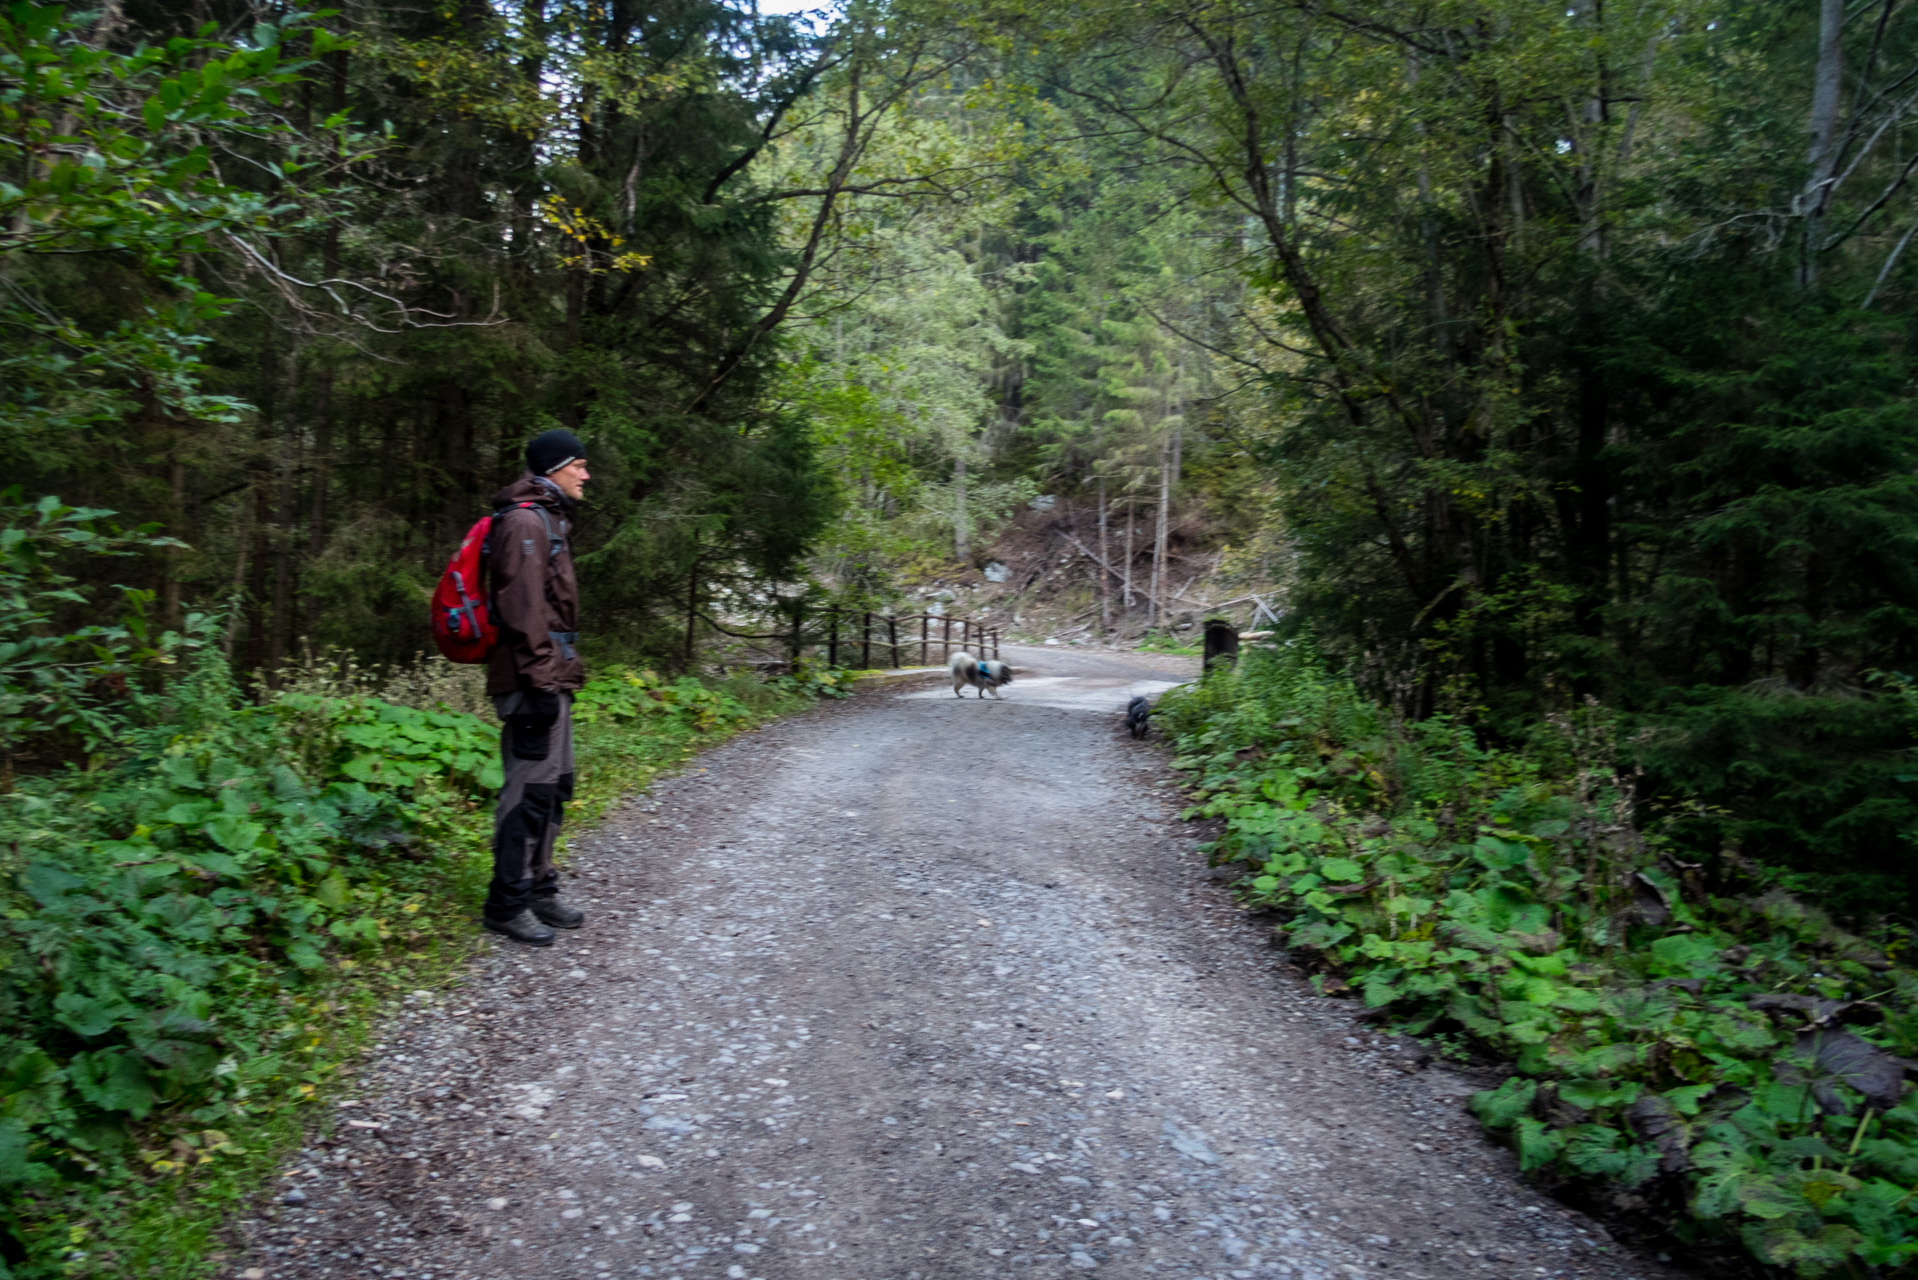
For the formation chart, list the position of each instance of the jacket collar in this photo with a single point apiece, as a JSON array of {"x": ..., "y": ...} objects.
[
  {"x": 531, "y": 488},
  {"x": 557, "y": 494}
]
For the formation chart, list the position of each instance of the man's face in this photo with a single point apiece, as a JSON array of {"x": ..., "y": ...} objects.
[{"x": 571, "y": 478}]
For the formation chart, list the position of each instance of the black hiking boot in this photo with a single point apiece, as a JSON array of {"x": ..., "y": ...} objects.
[
  {"x": 521, "y": 928},
  {"x": 550, "y": 909}
]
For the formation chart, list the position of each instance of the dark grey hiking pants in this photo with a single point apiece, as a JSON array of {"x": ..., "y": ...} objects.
[{"x": 536, "y": 751}]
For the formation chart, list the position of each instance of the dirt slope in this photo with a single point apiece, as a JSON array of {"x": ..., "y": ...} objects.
[{"x": 908, "y": 988}]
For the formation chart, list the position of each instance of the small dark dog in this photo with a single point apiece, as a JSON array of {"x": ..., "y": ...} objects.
[{"x": 1138, "y": 717}]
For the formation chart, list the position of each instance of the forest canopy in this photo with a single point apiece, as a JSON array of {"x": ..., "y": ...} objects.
[{"x": 1531, "y": 358}]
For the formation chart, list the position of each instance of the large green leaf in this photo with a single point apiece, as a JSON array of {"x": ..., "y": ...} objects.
[
  {"x": 113, "y": 1080},
  {"x": 333, "y": 892},
  {"x": 1595, "y": 1095},
  {"x": 1824, "y": 1058},
  {"x": 1785, "y": 1245},
  {"x": 1685, "y": 955},
  {"x": 1537, "y": 1145},
  {"x": 190, "y": 813},
  {"x": 15, "y": 1144},
  {"x": 1341, "y": 869},
  {"x": 1764, "y": 1197},
  {"x": 235, "y": 834},
  {"x": 91, "y": 1015},
  {"x": 1500, "y": 1108}
]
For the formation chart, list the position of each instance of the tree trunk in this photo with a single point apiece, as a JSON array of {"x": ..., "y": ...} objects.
[
  {"x": 1158, "y": 537},
  {"x": 1105, "y": 558},
  {"x": 526, "y": 185},
  {"x": 1824, "y": 95},
  {"x": 961, "y": 525},
  {"x": 236, "y": 612},
  {"x": 1125, "y": 585},
  {"x": 284, "y": 518},
  {"x": 692, "y": 610},
  {"x": 172, "y": 617},
  {"x": 1823, "y": 156},
  {"x": 317, "y": 481},
  {"x": 459, "y": 462},
  {"x": 258, "y": 600},
  {"x": 322, "y": 475}
]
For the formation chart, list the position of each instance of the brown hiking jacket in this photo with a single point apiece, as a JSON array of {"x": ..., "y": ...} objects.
[{"x": 534, "y": 593}]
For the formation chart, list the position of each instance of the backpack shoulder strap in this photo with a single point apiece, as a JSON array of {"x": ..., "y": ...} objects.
[{"x": 553, "y": 541}]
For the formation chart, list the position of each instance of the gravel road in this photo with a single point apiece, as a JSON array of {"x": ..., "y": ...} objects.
[{"x": 908, "y": 988}]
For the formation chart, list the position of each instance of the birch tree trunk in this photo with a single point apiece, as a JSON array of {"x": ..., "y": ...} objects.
[{"x": 1823, "y": 156}]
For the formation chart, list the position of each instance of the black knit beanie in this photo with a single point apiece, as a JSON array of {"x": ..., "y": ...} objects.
[{"x": 548, "y": 451}]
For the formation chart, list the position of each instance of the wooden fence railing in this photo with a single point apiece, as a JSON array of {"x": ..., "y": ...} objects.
[
  {"x": 891, "y": 635},
  {"x": 846, "y": 633}
]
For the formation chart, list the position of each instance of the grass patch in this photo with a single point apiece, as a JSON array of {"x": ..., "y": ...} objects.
[{"x": 1171, "y": 642}]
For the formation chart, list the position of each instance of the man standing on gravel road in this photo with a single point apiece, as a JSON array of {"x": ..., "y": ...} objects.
[{"x": 531, "y": 675}]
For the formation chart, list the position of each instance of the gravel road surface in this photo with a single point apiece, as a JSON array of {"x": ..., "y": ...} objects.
[{"x": 908, "y": 988}]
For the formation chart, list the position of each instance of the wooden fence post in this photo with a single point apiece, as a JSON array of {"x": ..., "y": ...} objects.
[
  {"x": 945, "y": 644},
  {"x": 799, "y": 614},
  {"x": 832, "y": 642},
  {"x": 925, "y": 639},
  {"x": 865, "y": 645},
  {"x": 892, "y": 633}
]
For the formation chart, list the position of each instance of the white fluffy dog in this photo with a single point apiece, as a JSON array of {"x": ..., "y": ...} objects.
[{"x": 982, "y": 674}]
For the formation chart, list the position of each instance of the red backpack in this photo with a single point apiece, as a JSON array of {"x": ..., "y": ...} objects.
[{"x": 462, "y": 626}]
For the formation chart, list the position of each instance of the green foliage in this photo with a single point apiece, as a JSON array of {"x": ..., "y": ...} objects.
[
  {"x": 314, "y": 367},
  {"x": 124, "y": 155},
  {"x": 898, "y": 381},
  {"x": 163, "y": 915},
  {"x": 1109, "y": 379},
  {"x": 183, "y": 934},
  {"x": 627, "y": 697},
  {"x": 1614, "y": 406},
  {"x": 1190, "y": 646},
  {"x": 118, "y": 140},
  {"x": 53, "y": 680},
  {"x": 1818, "y": 786},
  {"x": 1726, "y": 1056},
  {"x": 815, "y": 679},
  {"x": 186, "y": 925}
]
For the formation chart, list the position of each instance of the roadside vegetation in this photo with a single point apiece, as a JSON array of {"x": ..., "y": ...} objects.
[
  {"x": 204, "y": 914},
  {"x": 1686, "y": 1037}
]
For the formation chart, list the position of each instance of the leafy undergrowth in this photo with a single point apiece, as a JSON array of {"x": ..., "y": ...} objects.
[
  {"x": 1718, "y": 1054},
  {"x": 197, "y": 937}
]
